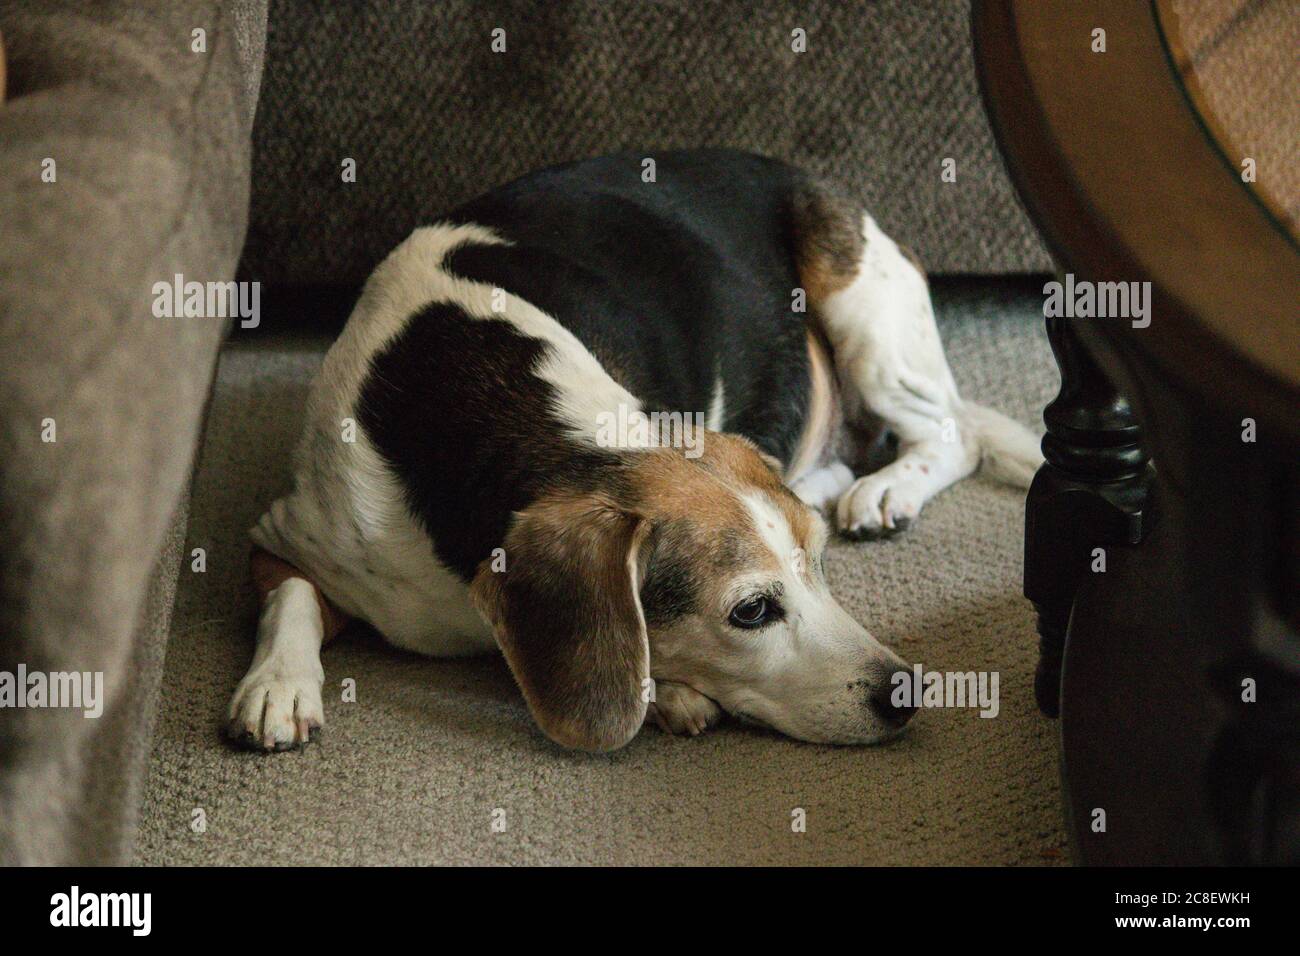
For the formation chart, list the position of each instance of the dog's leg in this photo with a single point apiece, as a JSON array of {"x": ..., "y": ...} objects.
[
  {"x": 892, "y": 361},
  {"x": 277, "y": 706},
  {"x": 679, "y": 709},
  {"x": 874, "y": 307},
  {"x": 821, "y": 487}
]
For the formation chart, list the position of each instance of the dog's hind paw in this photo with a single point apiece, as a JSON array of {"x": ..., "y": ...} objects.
[{"x": 877, "y": 506}]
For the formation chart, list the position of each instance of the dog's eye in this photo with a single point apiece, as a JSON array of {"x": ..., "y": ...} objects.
[{"x": 753, "y": 612}]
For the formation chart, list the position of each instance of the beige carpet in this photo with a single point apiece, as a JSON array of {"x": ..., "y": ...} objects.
[{"x": 417, "y": 769}]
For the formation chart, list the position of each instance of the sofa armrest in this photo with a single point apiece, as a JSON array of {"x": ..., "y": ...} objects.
[{"x": 124, "y": 161}]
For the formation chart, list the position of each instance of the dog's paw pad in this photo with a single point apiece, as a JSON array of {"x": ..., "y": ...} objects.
[{"x": 276, "y": 714}]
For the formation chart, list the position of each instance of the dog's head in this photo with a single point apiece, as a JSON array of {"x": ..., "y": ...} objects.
[{"x": 704, "y": 571}]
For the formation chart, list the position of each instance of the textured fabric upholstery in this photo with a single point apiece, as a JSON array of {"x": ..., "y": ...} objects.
[
  {"x": 414, "y": 93},
  {"x": 150, "y": 148}
]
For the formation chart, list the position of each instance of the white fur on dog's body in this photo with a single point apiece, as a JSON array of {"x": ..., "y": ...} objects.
[{"x": 348, "y": 529}]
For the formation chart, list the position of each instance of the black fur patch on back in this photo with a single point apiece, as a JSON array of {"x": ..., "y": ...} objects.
[
  {"x": 454, "y": 406},
  {"x": 666, "y": 283}
]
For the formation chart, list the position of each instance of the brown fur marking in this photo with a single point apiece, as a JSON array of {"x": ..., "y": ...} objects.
[
  {"x": 822, "y": 420},
  {"x": 828, "y": 239},
  {"x": 704, "y": 496}
]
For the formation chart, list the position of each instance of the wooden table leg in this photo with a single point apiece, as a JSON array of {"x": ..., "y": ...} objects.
[{"x": 1092, "y": 492}]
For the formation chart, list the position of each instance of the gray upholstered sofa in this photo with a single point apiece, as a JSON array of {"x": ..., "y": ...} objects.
[{"x": 157, "y": 154}]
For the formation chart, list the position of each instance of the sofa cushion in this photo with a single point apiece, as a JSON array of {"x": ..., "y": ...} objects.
[{"x": 432, "y": 116}]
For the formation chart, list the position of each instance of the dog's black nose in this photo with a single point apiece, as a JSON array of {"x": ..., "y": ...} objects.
[{"x": 895, "y": 709}]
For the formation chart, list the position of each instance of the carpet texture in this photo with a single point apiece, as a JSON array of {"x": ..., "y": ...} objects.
[
  {"x": 414, "y": 94},
  {"x": 432, "y": 753}
]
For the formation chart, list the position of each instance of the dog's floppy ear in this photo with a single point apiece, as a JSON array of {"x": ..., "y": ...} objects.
[
  {"x": 770, "y": 460},
  {"x": 566, "y": 611}
]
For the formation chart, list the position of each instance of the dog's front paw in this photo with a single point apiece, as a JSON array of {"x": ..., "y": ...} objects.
[
  {"x": 276, "y": 712},
  {"x": 679, "y": 709}
]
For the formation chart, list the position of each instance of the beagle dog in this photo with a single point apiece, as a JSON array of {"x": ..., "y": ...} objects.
[{"x": 486, "y": 465}]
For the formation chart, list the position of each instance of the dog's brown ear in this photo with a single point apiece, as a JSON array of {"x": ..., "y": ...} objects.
[
  {"x": 566, "y": 611},
  {"x": 770, "y": 460}
]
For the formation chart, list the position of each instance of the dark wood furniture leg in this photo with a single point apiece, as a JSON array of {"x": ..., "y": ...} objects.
[
  {"x": 1092, "y": 492},
  {"x": 1176, "y": 673}
]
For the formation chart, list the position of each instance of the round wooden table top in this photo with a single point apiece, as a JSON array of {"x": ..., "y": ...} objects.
[
  {"x": 1238, "y": 65},
  {"x": 1111, "y": 120}
]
